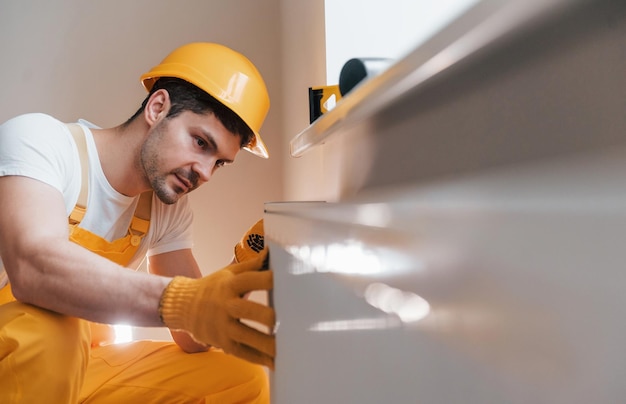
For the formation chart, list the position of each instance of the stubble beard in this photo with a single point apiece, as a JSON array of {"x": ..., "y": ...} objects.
[{"x": 149, "y": 161}]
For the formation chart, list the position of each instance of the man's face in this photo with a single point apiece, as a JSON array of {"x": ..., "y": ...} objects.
[{"x": 182, "y": 153}]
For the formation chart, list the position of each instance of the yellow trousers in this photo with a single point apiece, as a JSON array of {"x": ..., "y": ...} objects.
[{"x": 46, "y": 357}]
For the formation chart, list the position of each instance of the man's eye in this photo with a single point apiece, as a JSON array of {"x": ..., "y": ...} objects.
[
  {"x": 219, "y": 163},
  {"x": 200, "y": 142}
]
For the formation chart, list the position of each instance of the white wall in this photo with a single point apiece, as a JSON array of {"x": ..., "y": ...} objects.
[
  {"x": 389, "y": 29},
  {"x": 304, "y": 65}
]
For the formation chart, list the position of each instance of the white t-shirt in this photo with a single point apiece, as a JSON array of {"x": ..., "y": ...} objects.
[{"x": 41, "y": 147}]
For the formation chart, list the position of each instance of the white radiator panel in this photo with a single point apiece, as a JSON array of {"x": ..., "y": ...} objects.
[{"x": 523, "y": 272}]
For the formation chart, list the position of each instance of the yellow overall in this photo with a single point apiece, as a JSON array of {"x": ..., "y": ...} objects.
[{"x": 47, "y": 357}]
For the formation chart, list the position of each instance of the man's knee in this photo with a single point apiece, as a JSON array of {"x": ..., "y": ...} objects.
[{"x": 258, "y": 383}]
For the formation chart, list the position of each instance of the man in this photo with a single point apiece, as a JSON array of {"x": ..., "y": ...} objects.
[{"x": 205, "y": 103}]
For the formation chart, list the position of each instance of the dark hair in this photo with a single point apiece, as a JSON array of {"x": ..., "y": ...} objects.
[{"x": 185, "y": 96}]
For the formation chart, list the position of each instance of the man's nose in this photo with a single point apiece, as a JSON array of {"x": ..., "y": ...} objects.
[{"x": 204, "y": 170}]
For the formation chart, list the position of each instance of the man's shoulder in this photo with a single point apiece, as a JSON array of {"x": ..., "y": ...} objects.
[
  {"x": 32, "y": 124},
  {"x": 39, "y": 146},
  {"x": 31, "y": 118}
]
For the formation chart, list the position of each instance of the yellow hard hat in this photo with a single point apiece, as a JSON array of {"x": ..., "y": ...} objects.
[{"x": 226, "y": 75}]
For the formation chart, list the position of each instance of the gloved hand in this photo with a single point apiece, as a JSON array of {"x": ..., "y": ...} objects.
[
  {"x": 210, "y": 309},
  {"x": 251, "y": 244}
]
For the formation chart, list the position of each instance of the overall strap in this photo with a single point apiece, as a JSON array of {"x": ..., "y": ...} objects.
[
  {"x": 141, "y": 219},
  {"x": 81, "y": 144},
  {"x": 78, "y": 213}
]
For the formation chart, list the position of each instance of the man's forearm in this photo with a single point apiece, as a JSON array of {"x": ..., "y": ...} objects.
[{"x": 73, "y": 281}]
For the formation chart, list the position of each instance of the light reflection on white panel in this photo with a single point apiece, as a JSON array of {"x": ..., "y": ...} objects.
[
  {"x": 357, "y": 324},
  {"x": 350, "y": 257},
  {"x": 408, "y": 306},
  {"x": 373, "y": 214}
]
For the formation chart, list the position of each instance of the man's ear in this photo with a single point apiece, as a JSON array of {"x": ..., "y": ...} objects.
[{"x": 157, "y": 107}]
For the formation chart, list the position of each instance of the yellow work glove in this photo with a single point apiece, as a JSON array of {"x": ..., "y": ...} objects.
[
  {"x": 251, "y": 244},
  {"x": 210, "y": 309}
]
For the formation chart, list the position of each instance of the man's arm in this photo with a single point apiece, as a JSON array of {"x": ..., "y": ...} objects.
[
  {"x": 49, "y": 271},
  {"x": 180, "y": 262}
]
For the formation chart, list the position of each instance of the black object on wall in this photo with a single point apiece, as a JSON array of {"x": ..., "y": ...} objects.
[{"x": 357, "y": 69}]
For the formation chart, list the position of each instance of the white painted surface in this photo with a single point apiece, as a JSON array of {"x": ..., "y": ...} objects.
[{"x": 522, "y": 270}]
